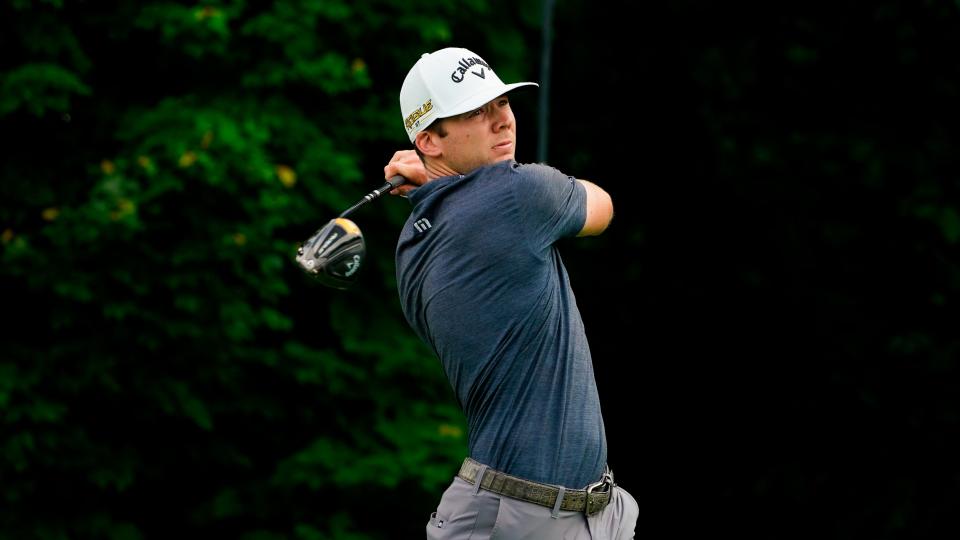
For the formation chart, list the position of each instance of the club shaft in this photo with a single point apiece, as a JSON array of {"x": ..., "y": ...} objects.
[{"x": 391, "y": 184}]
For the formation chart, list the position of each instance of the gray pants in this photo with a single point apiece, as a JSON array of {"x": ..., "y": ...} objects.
[{"x": 468, "y": 513}]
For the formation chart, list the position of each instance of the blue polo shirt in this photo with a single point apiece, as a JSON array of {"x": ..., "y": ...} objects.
[{"x": 482, "y": 283}]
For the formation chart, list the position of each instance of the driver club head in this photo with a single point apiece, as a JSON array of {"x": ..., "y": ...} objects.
[{"x": 334, "y": 254}]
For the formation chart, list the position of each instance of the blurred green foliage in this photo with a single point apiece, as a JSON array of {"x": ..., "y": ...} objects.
[{"x": 169, "y": 371}]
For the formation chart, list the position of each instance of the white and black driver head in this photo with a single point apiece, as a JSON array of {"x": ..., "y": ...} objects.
[{"x": 334, "y": 254}]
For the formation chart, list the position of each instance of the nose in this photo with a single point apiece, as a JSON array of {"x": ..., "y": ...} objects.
[{"x": 502, "y": 116}]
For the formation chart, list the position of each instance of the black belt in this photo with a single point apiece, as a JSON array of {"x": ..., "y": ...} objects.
[{"x": 590, "y": 500}]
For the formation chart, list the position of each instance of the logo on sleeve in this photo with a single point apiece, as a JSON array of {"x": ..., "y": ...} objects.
[{"x": 422, "y": 225}]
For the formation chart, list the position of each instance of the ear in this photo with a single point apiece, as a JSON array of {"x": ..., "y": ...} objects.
[{"x": 429, "y": 143}]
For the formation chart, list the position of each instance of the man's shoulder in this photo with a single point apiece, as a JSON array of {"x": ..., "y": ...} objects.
[
  {"x": 538, "y": 171},
  {"x": 514, "y": 168}
]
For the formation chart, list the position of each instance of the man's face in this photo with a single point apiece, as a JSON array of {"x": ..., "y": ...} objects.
[{"x": 480, "y": 137}]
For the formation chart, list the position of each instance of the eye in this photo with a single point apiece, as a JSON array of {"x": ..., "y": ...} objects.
[{"x": 475, "y": 112}]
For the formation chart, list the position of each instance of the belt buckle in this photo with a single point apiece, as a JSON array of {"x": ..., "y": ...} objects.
[{"x": 605, "y": 480}]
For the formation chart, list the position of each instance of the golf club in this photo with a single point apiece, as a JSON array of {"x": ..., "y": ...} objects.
[{"x": 335, "y": 253}]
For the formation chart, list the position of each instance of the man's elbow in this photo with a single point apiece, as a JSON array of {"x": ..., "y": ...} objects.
[
  {"x": 608, "y": 212},
  {"x": 599, "y": 214}
]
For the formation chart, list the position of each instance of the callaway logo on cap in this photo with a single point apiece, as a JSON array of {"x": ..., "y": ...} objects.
[{"x": 446, "y": 83}]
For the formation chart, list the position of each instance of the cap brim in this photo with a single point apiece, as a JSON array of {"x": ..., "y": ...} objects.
[{"x": 483, "y": 97}]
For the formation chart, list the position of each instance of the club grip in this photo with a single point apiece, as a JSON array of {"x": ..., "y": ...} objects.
[{"x": 391, "y": 184}]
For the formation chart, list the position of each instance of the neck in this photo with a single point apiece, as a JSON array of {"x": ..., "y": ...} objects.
[{"x": 437, "y": 170}]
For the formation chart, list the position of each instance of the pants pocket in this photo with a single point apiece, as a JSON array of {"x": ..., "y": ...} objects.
[
  {"x": 462, "y": 515},
  {"x": 436, "y": 522}
]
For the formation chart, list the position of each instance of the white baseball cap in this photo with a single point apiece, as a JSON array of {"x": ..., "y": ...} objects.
[{"x": 446, "y": 83}]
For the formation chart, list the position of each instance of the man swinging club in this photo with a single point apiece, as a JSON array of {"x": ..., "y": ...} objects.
[{"x": 481, "y": 282}]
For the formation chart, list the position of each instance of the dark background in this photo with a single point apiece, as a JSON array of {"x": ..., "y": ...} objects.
[
  {"x": 771, "y": 313},
  {"x": 768, "y": 312}
]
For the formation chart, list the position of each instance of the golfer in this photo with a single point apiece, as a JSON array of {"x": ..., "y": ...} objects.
[{"x": 481, "y": 282}]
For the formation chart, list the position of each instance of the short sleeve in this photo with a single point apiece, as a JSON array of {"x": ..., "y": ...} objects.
[{"x": 554, "y": 204}]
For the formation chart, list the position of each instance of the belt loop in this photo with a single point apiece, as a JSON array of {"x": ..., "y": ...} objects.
[
  {"x": 556, "y": 507},
  {"x": 479, "y": 480}
]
